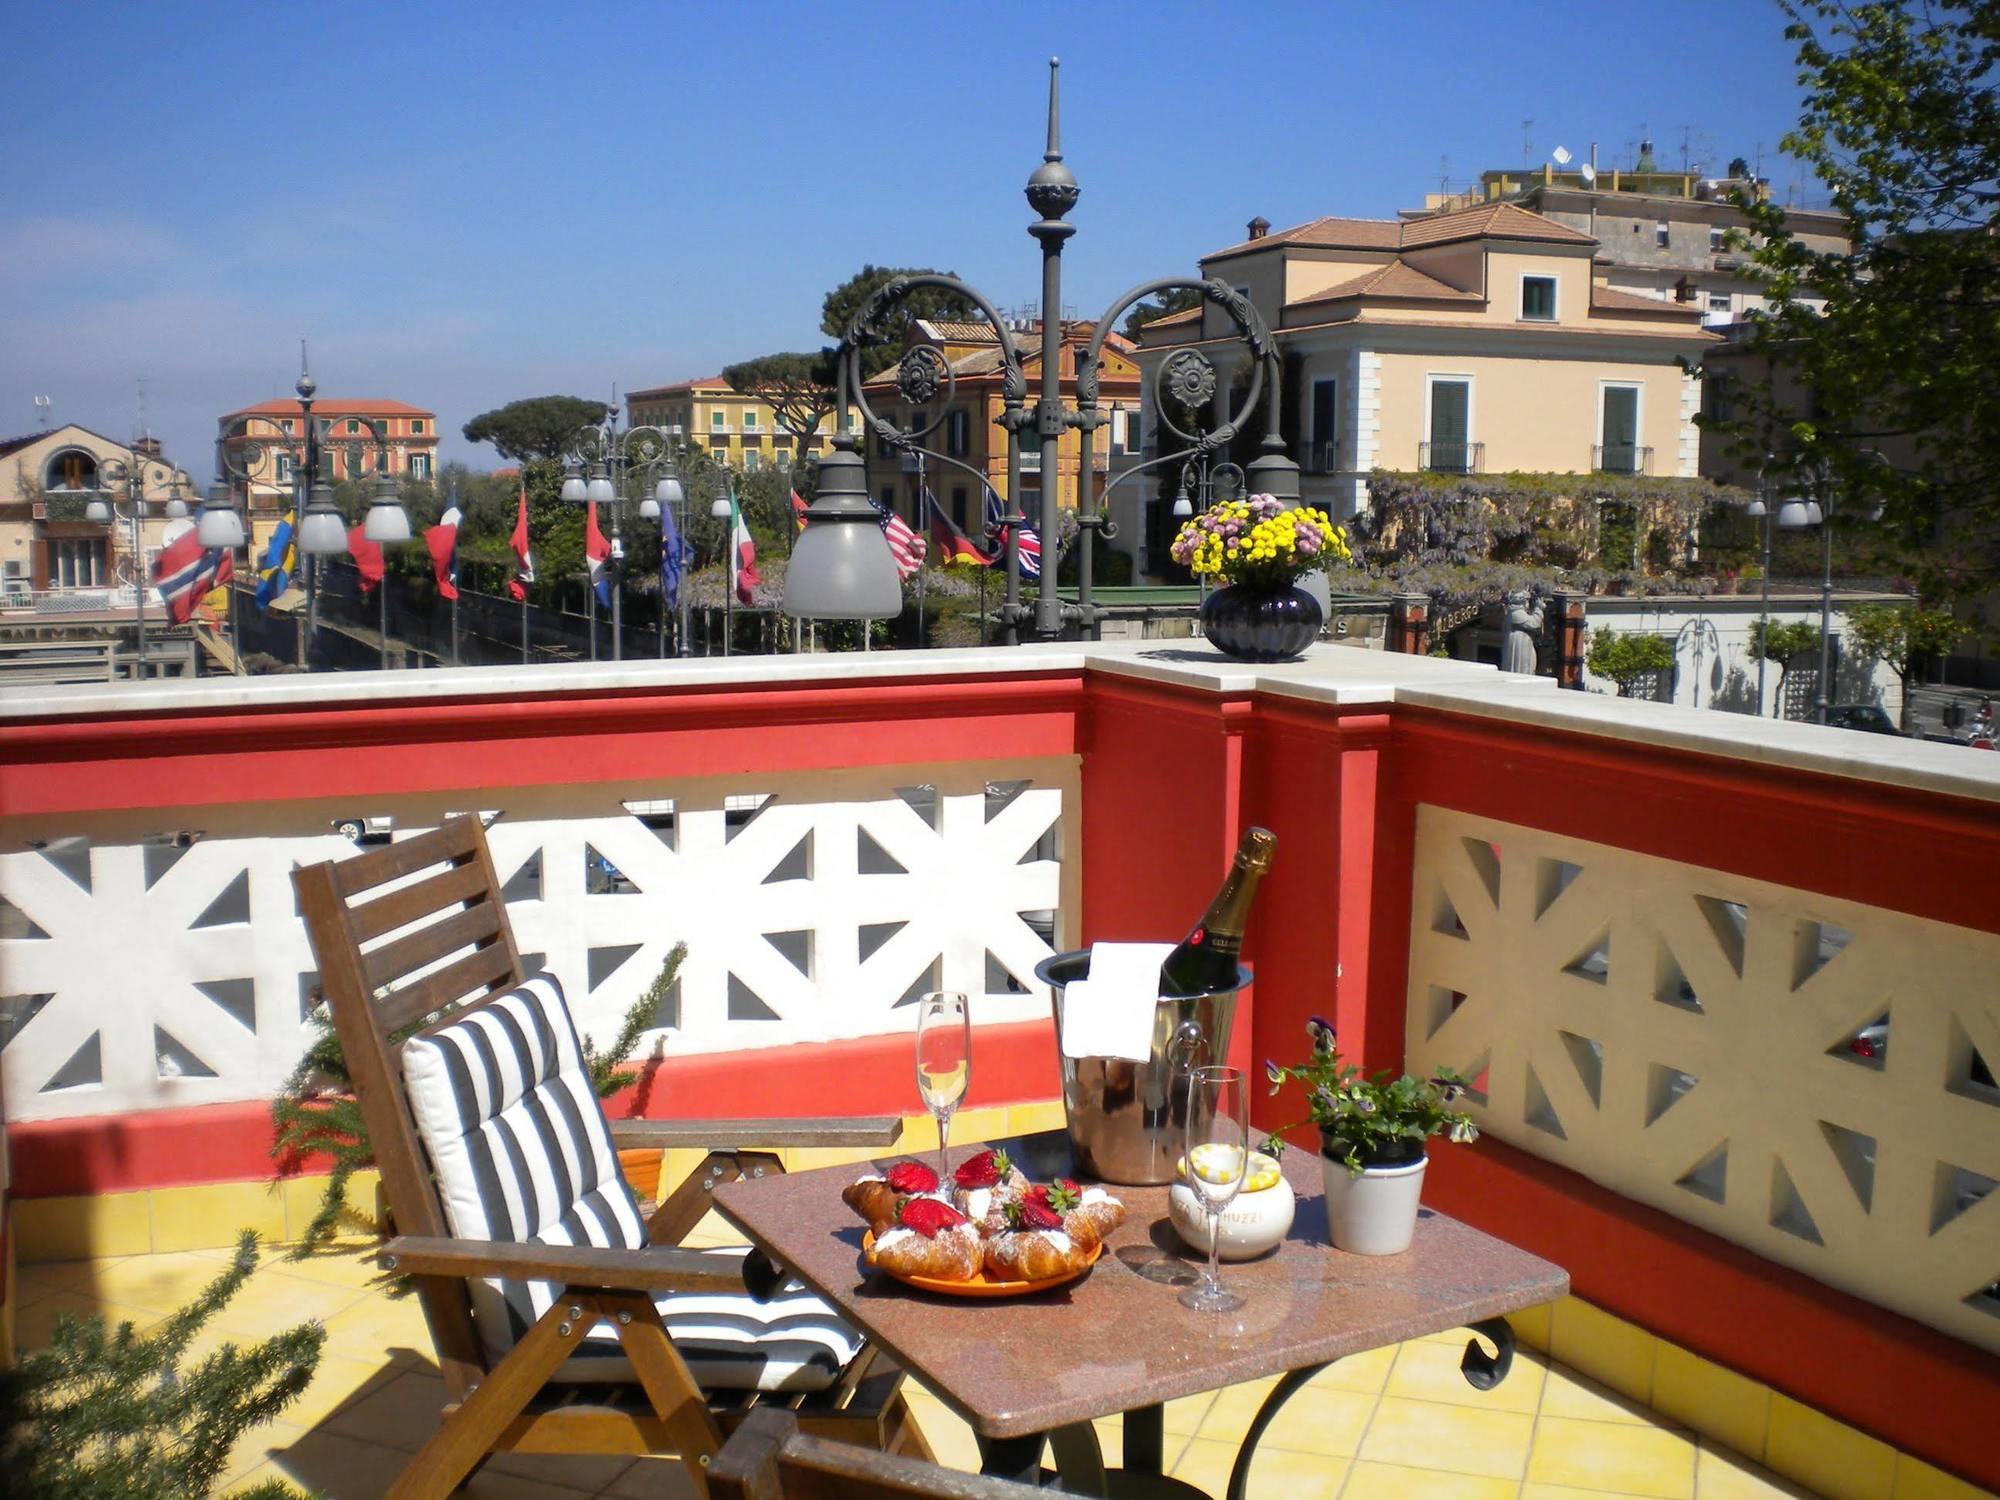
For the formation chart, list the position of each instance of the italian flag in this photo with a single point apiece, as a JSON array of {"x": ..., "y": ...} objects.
[{"x": 742, "y": 553}]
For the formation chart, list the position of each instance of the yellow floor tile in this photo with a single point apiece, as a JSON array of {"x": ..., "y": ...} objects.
[
  {"x": 1627, "y": 1460},
  {"x": 401, "y": 1413},
  {"x": 1460, "y": 1439},
  {"x": 340, "y": 1467},
  {"x": 1229, "y": 1409},
  {"x": 1714, "y": 1401},
  {"x": 1720, "y": 1474},
  {"x": 35, "y": 1324},
  {"x": 188, "y": 1218},
  {"x": 1296, "y": 1476},
  {"x": 1430, "y": 1372},
  {"x": 1315, "y": 1420},
  {"x": 1186, "y": 1415},
  {"x": 160, "y": 1283},
  {"x": 1564, "y": 1492},
  {"x": 377, "y": 1326},
  {"x": 1360, "y": 1372},
  {"x": 1568, "y": 1394},
  {"x": 354, "y": 1265},
  {"x": 337, "y": 1380},
  {"x": 80, "y": 1228},
  {"x": 1917, "y": 1480},
  {"x": 1827, "y": 1457},
  {"x": 1373, "y": 1481},
  {"x": 254, "y": 1449},
  {"x": 271, "y": 1302},
  {"x": 1609, "y": 1350}
]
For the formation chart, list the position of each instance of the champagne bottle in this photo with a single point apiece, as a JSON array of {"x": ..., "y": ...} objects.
[{"x": 1206, "y": 958}]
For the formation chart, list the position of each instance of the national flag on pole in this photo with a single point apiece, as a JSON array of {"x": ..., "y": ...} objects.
[
  {"x": 597, "y": 551},
  {"x": 742, "y": 553},
  {"x": 951, "y": 544},
  {"x": 186, "y": 571},
  {"x": 281, "y": 559},
  {"x": 442, "y": 542},
  {"x": 524, "y": 572},
  {"x": 905, "y": 546},
  {"x": 675, "y": 555},
  {"x": 1030, "y": 544},
  {"x": 367, "y": 557},
  {"x": 798, "y": 511}
]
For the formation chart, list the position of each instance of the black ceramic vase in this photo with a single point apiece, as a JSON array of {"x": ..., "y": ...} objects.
[{"x": 1260, "y": 624}]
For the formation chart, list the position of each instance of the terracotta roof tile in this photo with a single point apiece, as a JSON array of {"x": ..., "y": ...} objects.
[
  {"x": 959, "y": 330},
  {"x": 1168, "y": 320},
  {"x": 1506, "y": 221},
  {"x": 679, "y": 388},
  {"x": 329, "y": 406},
  {"x": 1396, "y": 279},
  {"x": 1609, "y": 299}
]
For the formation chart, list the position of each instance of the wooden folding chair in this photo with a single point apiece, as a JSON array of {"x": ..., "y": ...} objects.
[
  {"x": 768, "y": 1458},
  {"x": 548, "y": 1265}
]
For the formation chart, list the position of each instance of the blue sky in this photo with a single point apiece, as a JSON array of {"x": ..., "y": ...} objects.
[{"x": 465, "y": 204}]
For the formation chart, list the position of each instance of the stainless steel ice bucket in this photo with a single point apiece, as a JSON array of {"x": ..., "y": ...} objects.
[{"x": 1126, "y": 1118}]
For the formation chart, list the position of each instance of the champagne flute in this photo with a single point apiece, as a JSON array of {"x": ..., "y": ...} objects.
[
  {"x": 1218, "y": 1156},
  {"x": 944, "y": 1060}
]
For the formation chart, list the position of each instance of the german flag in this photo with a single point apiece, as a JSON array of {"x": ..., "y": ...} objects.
[{"x": 948, "y": 543}]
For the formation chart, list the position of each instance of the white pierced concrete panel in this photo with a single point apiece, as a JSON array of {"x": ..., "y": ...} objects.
[
  {"x": 1808, "y": 1077},
  {"x": 136, "y": 974}
]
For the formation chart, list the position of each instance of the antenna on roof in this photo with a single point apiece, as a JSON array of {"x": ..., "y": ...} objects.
[
  {"x": 44, "y": 406},
  {"x": 139, "y": 427},
  {"x": 1560, "y": 156},
  {"x": 1444, "y": 174},
  {"x": 1527, "y": 141}
]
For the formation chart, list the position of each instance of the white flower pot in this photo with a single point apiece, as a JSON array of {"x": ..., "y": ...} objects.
[{"x": 1374, "y": 1213}]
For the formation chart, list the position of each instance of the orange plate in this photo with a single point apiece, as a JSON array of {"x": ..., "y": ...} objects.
[{"x": 981, "y": 1285}]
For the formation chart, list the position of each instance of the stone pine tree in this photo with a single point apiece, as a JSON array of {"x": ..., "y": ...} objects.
[
  {"x": 800, "y": 388},
  {"x": 1882, "y": 359},
  {"x": 113, "y": 1412},
  {"x": 845, "y": 300},
  {"x": 538, "y": 427}
]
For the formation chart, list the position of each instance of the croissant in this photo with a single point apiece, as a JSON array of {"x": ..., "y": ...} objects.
[
  {"x": 1035, "y": 1254},
  {"x": 1096, "y": 1214},
  {"x": 874, "y": 1200},
  {"x": 952, "y": 1254}
]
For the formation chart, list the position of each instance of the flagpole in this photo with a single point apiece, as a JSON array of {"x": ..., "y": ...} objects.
[
  {"x": 923, "y": 579},
  {"x": 524, "y": 632},
  {"x": 454, "y": 626},
  {"x": 590, "y": 613},
  {"x": 382, "y": 616},
  {"x": 985, "y": 636}
]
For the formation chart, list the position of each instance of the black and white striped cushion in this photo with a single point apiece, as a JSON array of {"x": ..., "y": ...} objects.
[{"x": 522, "y": 1154}]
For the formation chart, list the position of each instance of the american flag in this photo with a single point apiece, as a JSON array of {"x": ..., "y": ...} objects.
[
  {"x": 904, "y": 544},
  {"x": 1030, "y": 544}
]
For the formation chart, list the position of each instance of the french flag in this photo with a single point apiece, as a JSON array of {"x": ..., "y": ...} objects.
[
  {"x": 442, "y": 542},
  {"x": 598, "y": 551},
  {"x": 186, "y": 571}
]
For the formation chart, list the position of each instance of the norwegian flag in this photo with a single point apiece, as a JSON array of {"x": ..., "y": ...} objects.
[
  {"x": 1030, "y": 545},
  {"x": 186, "y": 571},
  {"x": 905, "y": 546}
]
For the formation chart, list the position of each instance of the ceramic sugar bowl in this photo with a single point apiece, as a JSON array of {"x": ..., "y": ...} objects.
[{"x": 1251, "y": 1224}]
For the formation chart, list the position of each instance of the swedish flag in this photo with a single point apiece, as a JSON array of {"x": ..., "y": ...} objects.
[{"x": 280, "y": 558}]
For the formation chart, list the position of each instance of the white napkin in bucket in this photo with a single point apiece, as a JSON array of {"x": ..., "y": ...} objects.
[{"x": 1109, "y": 1013}]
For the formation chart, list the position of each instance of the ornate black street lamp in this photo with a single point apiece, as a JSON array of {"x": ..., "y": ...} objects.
[
  {"x": 841, "y": 569},
  {"x": 600, "y": 458}
]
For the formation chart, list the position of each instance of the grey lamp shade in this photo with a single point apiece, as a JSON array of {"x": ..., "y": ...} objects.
[
  {"x": 649, "y": 509},
  {"x": 574, "y": 490},
  {"x": 841, "y": 570},
  {"x": 668, "y": 491},
  {"x": 219, "y": 526},
  {"x": 1794, "y": 515},
  {"x": 599, "y": 489},
  {"x": 1754, "y": 510},
  {"x": 1183, "y": 507},
  {"x": 387, "y": 522},
  {"x": 97, "y": 510},
  {"x": 720, "y": 508},
  {"x": 176, "y": 508},
  {"x": 322, "y": 533}
]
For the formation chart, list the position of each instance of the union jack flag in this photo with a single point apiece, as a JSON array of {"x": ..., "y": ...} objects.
[
  {"x": 905, "y": 546},
  {"x": 1030, "y": 544}
]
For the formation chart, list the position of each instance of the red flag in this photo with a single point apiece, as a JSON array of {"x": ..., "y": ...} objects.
[
  {"x": 367, "y": 559},
  {"x": 798, "y": 511},
  {"x": 442, "y": 541},
  {"x": 597, "y": 552},
  {"x": 525, "y": 573}
]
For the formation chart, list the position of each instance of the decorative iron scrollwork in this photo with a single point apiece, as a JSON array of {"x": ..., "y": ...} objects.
[
  {"x": 1189, "y": 377},
  {"x": 920, "y": 374}
]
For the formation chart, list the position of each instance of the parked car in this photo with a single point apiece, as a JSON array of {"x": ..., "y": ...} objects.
[
  {"x": 1866, "y": 716},
  {"x": 355, "y": 827}
]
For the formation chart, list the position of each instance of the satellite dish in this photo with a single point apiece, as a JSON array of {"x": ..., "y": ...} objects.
[
  {"x": 1560, "y": 156},
  {"x": 1587, "y": 172}
]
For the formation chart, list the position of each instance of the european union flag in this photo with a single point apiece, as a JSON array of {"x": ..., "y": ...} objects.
[
  {"x": 675, "y": 554},
  {"x": 280, "y": 558}
]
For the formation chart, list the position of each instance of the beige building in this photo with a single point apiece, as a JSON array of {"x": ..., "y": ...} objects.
[
  {"x": 46, "y": 480},
  {"x": 1659, "y": 234},
  {"x": 739, "y": 430},
  {"x": 1482, "y": 341}
]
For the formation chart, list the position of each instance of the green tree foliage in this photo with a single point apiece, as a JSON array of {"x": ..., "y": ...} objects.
[
  {"x": 538, "y": 427},
  {"x": 1159, "y": 305},
  {"x": 801, "y": 389},
  {"x": 112, "y": 1412},
  {"x": 1628, "y": 659},
  {"x": 1785, "y": 643},
  {"x": 315, "y": 1114},
  {"x": 845, "y": 300},
  {"x": 1904, "y": 636},
  {"x": 1902, "y": 122}
]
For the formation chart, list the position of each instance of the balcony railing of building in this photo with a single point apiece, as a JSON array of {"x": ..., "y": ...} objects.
[
  {"x": 1323, "y": 456},
  {"x": 1621, "y": 458},
  {"x": 1451, "y": 458},
  {"x": 1725, "y": 986}
]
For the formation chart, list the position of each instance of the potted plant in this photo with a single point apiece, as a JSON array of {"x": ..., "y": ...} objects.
[
  {"x": 1372, "y": 1134},
  {"x": 1257, "y": 550}
]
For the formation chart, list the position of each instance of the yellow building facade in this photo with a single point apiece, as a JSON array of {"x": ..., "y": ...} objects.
[{"x": 743, "y": 431}]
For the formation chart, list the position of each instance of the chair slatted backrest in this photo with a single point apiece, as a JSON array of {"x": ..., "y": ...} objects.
[{"x": 411, "y": 973}]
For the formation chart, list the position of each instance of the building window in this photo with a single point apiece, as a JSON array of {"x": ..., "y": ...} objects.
[
  {"x": 1618, "y": 429},
  {"x": 1660, "y": 235},
  {"x": 285, "y": 426},
  {"x": 888, "y": 497},
  {"x": 284, "y": 473},
  {"x": 417, "y": 426},
  {"x": 353, "y": 425},
  {"x": 1715, "y": 234},
  {"x": 1538, "y": 299},
  {"x": 958, "y": 506},
  {"x": 72, "y": 469},
  {"x": 1718, "y": 302},
  {"x": 1717, "y": 391},
  {"x": 752, "y": 461},
  {"x": 1450, "y": 449},
  {"x": 958, "y": 432},
  {"x": 749, "y": 419},
  {"x": 1325, "y": 427},
  {"x": 715, "y": 420},
  {"x": 420, "y": 466},
  {"x": 883, "y": 447}
]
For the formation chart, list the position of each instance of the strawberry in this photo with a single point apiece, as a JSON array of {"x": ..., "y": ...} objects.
[
  {"x": 1061, "y": 1195},
  {"x": 911, "y": 1177},
  {"x": 928, "y": 1216},
  {"x": 1032, "y": 1212},
  {"x": 984, "y": 1170}
]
